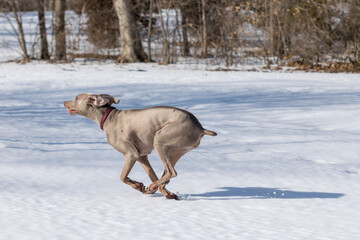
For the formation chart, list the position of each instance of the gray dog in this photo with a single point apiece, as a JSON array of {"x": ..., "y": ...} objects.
[{"x": 135, "y": 133}]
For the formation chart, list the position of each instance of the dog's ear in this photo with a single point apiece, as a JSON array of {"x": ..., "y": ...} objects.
[
  {"x": 102, "y": 100},
  {"x": 111, "y": 99}
]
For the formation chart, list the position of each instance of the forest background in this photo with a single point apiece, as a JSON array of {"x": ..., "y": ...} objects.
[{"x": 312, "y": 35}]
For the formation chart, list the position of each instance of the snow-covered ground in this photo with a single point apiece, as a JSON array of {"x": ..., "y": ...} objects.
[{"x": 285, "y": 164}]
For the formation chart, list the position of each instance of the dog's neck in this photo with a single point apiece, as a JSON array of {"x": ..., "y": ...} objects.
[
  {"x": 98, "y": 114},
  {"x": 106, "y": 114}
]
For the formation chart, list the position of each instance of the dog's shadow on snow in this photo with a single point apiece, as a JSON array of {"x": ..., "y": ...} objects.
[{"x": 231, "y": 193}]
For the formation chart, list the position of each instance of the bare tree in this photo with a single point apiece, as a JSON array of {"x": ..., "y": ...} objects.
[
  {"x": 166, "y": 47},
  {"x": 44, "y": 52},
  {"x": 184, "y": 28},
  {"x": 204, "y": 30},
  {"x": 131, "y": 46},
  {"x": 149, "y": 29},
  {"x": 102, "y": 29},
  {"x": 14, "y": 6},
  {"x": 60, "y": 35},
  {"x": 352, "y": 29}
]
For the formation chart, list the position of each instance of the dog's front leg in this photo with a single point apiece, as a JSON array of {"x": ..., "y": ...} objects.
[{"x": 128, "y": 165}]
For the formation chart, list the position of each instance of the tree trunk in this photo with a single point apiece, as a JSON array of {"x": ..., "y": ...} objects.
[
  {"x": 131, "y": 46},
  {"x": 44, "y": 44},
  {"x": 149, "y": 30},
  {"x": 272, "y": 34},
  {"x": 60, "y": 35},
  {"x": 186, "y": 46},
  {"x": 204, "y": 31},
  {"x": 166, "y": 47}
]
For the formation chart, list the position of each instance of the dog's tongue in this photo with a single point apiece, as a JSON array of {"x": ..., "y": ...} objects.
[{"x": 71, "y": 111}]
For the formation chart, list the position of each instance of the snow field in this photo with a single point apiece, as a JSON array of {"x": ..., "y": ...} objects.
[{"x": 284, "y": 165}]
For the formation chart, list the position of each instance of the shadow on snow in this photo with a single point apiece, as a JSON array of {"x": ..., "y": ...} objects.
[{"x": 228, "y": 193}]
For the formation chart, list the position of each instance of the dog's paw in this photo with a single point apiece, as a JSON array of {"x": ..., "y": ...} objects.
[
  {"x": 172, "y": 196},
  {"x": 139, "y": 186},
  {"x": 151, "y": 190}
]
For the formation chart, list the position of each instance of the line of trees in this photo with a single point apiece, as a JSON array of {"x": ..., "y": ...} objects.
[
  {"x": 16, "y": 7},
  {"x": 229, "y": 31}
]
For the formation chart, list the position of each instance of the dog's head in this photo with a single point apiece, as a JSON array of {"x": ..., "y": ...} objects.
[{"x": 85, "y": 101}]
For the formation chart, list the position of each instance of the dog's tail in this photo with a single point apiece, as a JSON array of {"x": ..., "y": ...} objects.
[{"x": 210, "y": 133}]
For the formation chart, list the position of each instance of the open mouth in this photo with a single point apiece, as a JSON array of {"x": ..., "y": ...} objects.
[{"x": 72, "y": 111}]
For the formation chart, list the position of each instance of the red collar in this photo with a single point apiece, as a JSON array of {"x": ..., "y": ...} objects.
[{"x": 103, "y": 119}]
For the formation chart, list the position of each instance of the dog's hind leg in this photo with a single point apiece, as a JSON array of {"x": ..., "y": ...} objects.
[
  {"x": 174, "y": 156},
  {"x": 149, "y": 170},
  {"x": 172, "y": 142}
]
